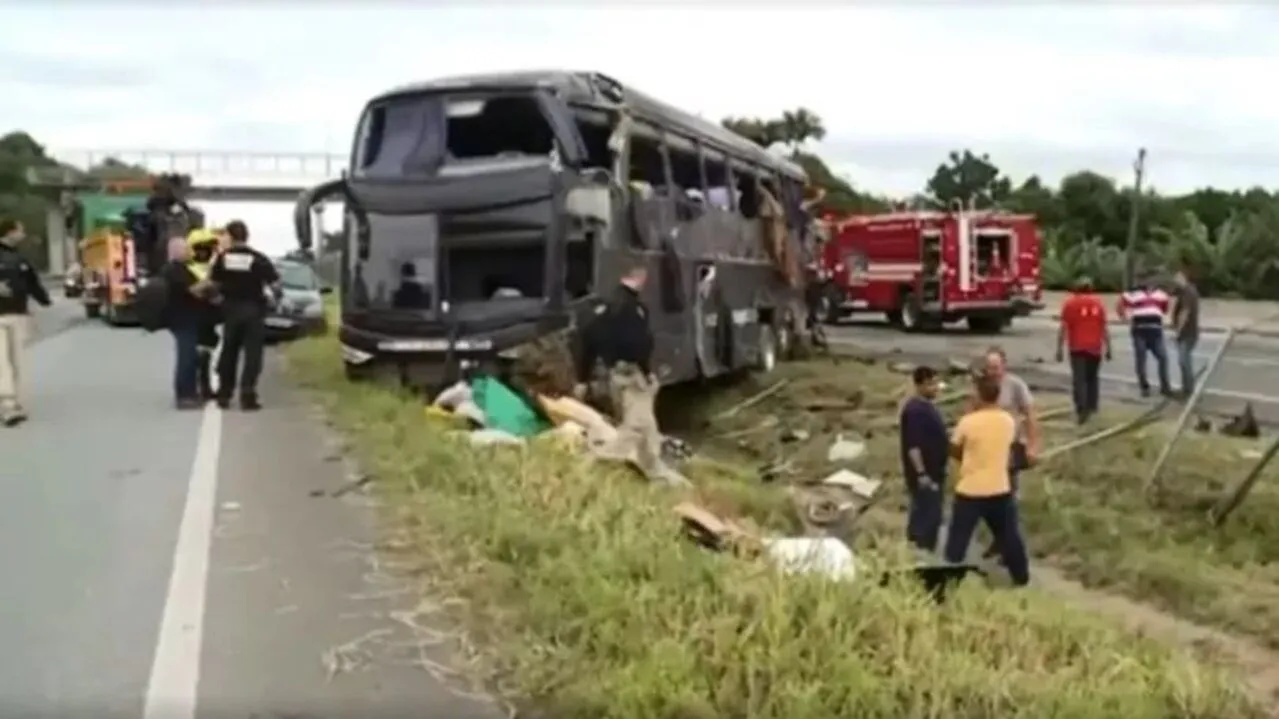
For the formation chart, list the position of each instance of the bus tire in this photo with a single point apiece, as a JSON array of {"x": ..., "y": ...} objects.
[
  {"x": 357, "y": 372},
  {"x": 766, "y": 354}
]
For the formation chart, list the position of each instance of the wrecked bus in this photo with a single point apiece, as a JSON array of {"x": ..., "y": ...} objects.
[{"x": 483, "y": 213}]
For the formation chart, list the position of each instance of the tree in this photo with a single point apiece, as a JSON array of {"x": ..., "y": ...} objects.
[
  {"x": 27, "y": 174},
  {"x": 972, "y": 180}
]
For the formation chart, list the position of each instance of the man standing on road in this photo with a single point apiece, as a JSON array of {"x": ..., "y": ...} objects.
[
  {"x": 1084, "y": 331},
  {"x": 1016, "y": 399},
  {"x": 1145, "y": 308},
  {"x": 243, "y": 276},
  {"x": 19, "y": 284},
  {"x": 924, "y": 454},
  {"x": 1185, "y": 320}
]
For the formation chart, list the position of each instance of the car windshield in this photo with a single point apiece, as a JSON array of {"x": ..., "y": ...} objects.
[{"x": 296, "y": 277}]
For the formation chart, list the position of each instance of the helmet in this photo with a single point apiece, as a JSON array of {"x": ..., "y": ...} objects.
[{"x": 200, "y": 237}]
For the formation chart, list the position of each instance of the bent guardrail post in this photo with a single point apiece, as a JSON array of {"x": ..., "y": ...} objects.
[
  {"x": 1156, "y": 471},
  {"x": 1232, "y": 501}
]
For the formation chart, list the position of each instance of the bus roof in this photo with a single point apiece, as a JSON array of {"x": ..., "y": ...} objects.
[{"x": 599, "y": 90}]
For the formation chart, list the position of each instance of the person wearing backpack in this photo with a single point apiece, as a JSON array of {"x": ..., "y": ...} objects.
[
  {"x": 185, "y": 312},
  {"x": 19, "y": 284}
]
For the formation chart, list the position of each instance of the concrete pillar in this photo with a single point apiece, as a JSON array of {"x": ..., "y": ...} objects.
[{"x": 55, "y": 241}]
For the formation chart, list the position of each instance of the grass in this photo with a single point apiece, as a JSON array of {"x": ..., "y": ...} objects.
[
  {"x": 587, "y": 604},
  {"x": 1085, "y": 511}
]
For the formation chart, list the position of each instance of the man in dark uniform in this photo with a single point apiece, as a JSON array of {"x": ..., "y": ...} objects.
[
  {"x": 243, "y": 276},
  {"x": 619, "y": 334},
  {"x": 19, "y": 284},
  {"x": 621, "y": 342}
]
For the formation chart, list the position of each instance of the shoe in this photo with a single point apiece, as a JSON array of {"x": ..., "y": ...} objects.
[
  {"x": 222, "y": 401},
  {"x": 13, "y": 420},
  {"x": 1145, "y": 391},
  {"x": 189, "y": 403},
  {"x": 250, "y": 404}
]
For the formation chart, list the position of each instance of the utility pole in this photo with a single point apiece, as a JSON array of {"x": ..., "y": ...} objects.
[{"x": 1134, "y": 214}]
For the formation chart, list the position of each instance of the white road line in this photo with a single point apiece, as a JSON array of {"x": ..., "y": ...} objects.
[
  {"x": 175, "y": 671},
  {"x": 1128, "y": 379}
]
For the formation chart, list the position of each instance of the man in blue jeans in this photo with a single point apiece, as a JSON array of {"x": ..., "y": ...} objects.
[
  {"x": 925, "y": 450},
  {"x": 1185, "y": 322},
  {"x": 184, "y": 314}
]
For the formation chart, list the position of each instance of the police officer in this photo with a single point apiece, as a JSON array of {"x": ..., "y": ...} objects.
[
  {"x": 243, "y": 277},
  {"x": 621, "y": 341},
  {"x": 19, "y": 284},
  {"x": 204, "y": 246},
  {"x": 619, "y": 334}
]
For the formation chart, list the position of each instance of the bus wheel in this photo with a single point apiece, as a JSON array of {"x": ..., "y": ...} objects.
[
  {"x": 786, "y": 334},
  {"x": 766, "y": 359},
  {"x": 357, "y": 372}
]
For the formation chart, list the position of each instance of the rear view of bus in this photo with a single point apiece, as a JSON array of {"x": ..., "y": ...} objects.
[{"x": 456, "y": 225}]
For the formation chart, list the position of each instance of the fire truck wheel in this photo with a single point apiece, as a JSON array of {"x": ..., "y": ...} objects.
[
  {"x": 910, "y": 316},
  {"x": 987, "y": 325},
  {"x": 766, "y": 359}
]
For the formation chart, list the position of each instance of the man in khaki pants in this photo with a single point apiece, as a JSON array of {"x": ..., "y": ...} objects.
[{"x": 19, "y": 284}]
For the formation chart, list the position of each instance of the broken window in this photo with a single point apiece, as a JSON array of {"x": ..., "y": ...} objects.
[
  {"x": 992, "y": 248},
  {"x": 718, "y": 183},
  {"x": 415, "y": 134}
]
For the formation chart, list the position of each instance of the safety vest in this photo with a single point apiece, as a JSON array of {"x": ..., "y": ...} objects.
[{"x": 200, "y": 269}]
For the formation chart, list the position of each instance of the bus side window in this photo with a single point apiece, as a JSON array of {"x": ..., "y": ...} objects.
[
  {"x": 646, "y": 177},
  {"x": 718, "y": 185},
  {"x": 686, "y": 173}
]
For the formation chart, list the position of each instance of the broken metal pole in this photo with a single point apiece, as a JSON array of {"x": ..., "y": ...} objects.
[
  {"x": 1134, "y": 423},
  {"x": 752, "y": 400},
  {"x": 1229, "y": 503},
  {"x": 1156, "y": 472}
]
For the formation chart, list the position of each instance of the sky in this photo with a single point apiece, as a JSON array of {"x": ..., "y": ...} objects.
[{"x": 1044, "y": 89}]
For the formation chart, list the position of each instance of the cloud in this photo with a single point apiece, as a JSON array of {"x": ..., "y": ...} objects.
[{"x": 1044, "y": 89}]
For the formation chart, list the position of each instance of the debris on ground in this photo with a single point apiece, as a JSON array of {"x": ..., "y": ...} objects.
[
  {"x": 1243, "y": 425},
  {"x": 845, "y": 450}
]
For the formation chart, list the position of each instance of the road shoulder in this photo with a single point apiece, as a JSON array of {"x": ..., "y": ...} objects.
[{"x": 304, "y": 618}]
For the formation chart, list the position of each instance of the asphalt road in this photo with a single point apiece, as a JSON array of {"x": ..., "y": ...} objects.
[
  {"x": 177, "y": 565},
  {"x": 1248, "y": 372}
]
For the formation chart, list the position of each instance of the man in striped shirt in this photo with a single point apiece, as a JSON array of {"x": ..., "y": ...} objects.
[{"x": 1145, "y": 308}]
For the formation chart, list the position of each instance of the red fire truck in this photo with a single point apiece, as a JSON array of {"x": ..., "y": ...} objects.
[{"x": 924, "y": 269}]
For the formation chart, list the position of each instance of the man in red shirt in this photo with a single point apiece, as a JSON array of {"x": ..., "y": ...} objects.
[{"x": 1084, "y": 331}]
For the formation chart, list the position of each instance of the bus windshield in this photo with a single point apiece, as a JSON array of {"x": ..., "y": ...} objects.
[{"x": 416, "y": 134}]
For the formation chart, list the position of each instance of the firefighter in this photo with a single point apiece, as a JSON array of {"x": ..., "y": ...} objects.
[{"x": 204, "y": 248}]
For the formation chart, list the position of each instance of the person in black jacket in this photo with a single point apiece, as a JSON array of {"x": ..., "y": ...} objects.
[
  {"x": 19, "y": 284},
  {"x": 619, "y": 334},
  {"x": 245, "y": 278}
]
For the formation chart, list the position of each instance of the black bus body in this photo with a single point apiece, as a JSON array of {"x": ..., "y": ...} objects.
[{"x": 485, "y": 212}]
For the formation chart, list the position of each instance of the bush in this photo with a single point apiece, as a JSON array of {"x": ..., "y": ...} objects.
[{"x": 588, "y": 605}]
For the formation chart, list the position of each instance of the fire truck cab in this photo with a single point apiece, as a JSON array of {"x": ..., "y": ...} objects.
[{"x": 925, "y": 269}]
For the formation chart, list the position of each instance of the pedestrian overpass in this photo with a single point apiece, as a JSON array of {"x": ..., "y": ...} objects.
[{"x": 226, "y": 176}]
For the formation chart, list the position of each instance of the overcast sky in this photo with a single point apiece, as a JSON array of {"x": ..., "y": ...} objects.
[{"x": 1044, "y": 89}]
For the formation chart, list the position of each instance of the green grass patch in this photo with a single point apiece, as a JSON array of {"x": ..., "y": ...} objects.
[{"x": 587, "y": 603}]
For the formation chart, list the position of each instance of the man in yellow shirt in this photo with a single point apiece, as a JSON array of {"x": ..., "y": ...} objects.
[{"x": 983, "y": 444}]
